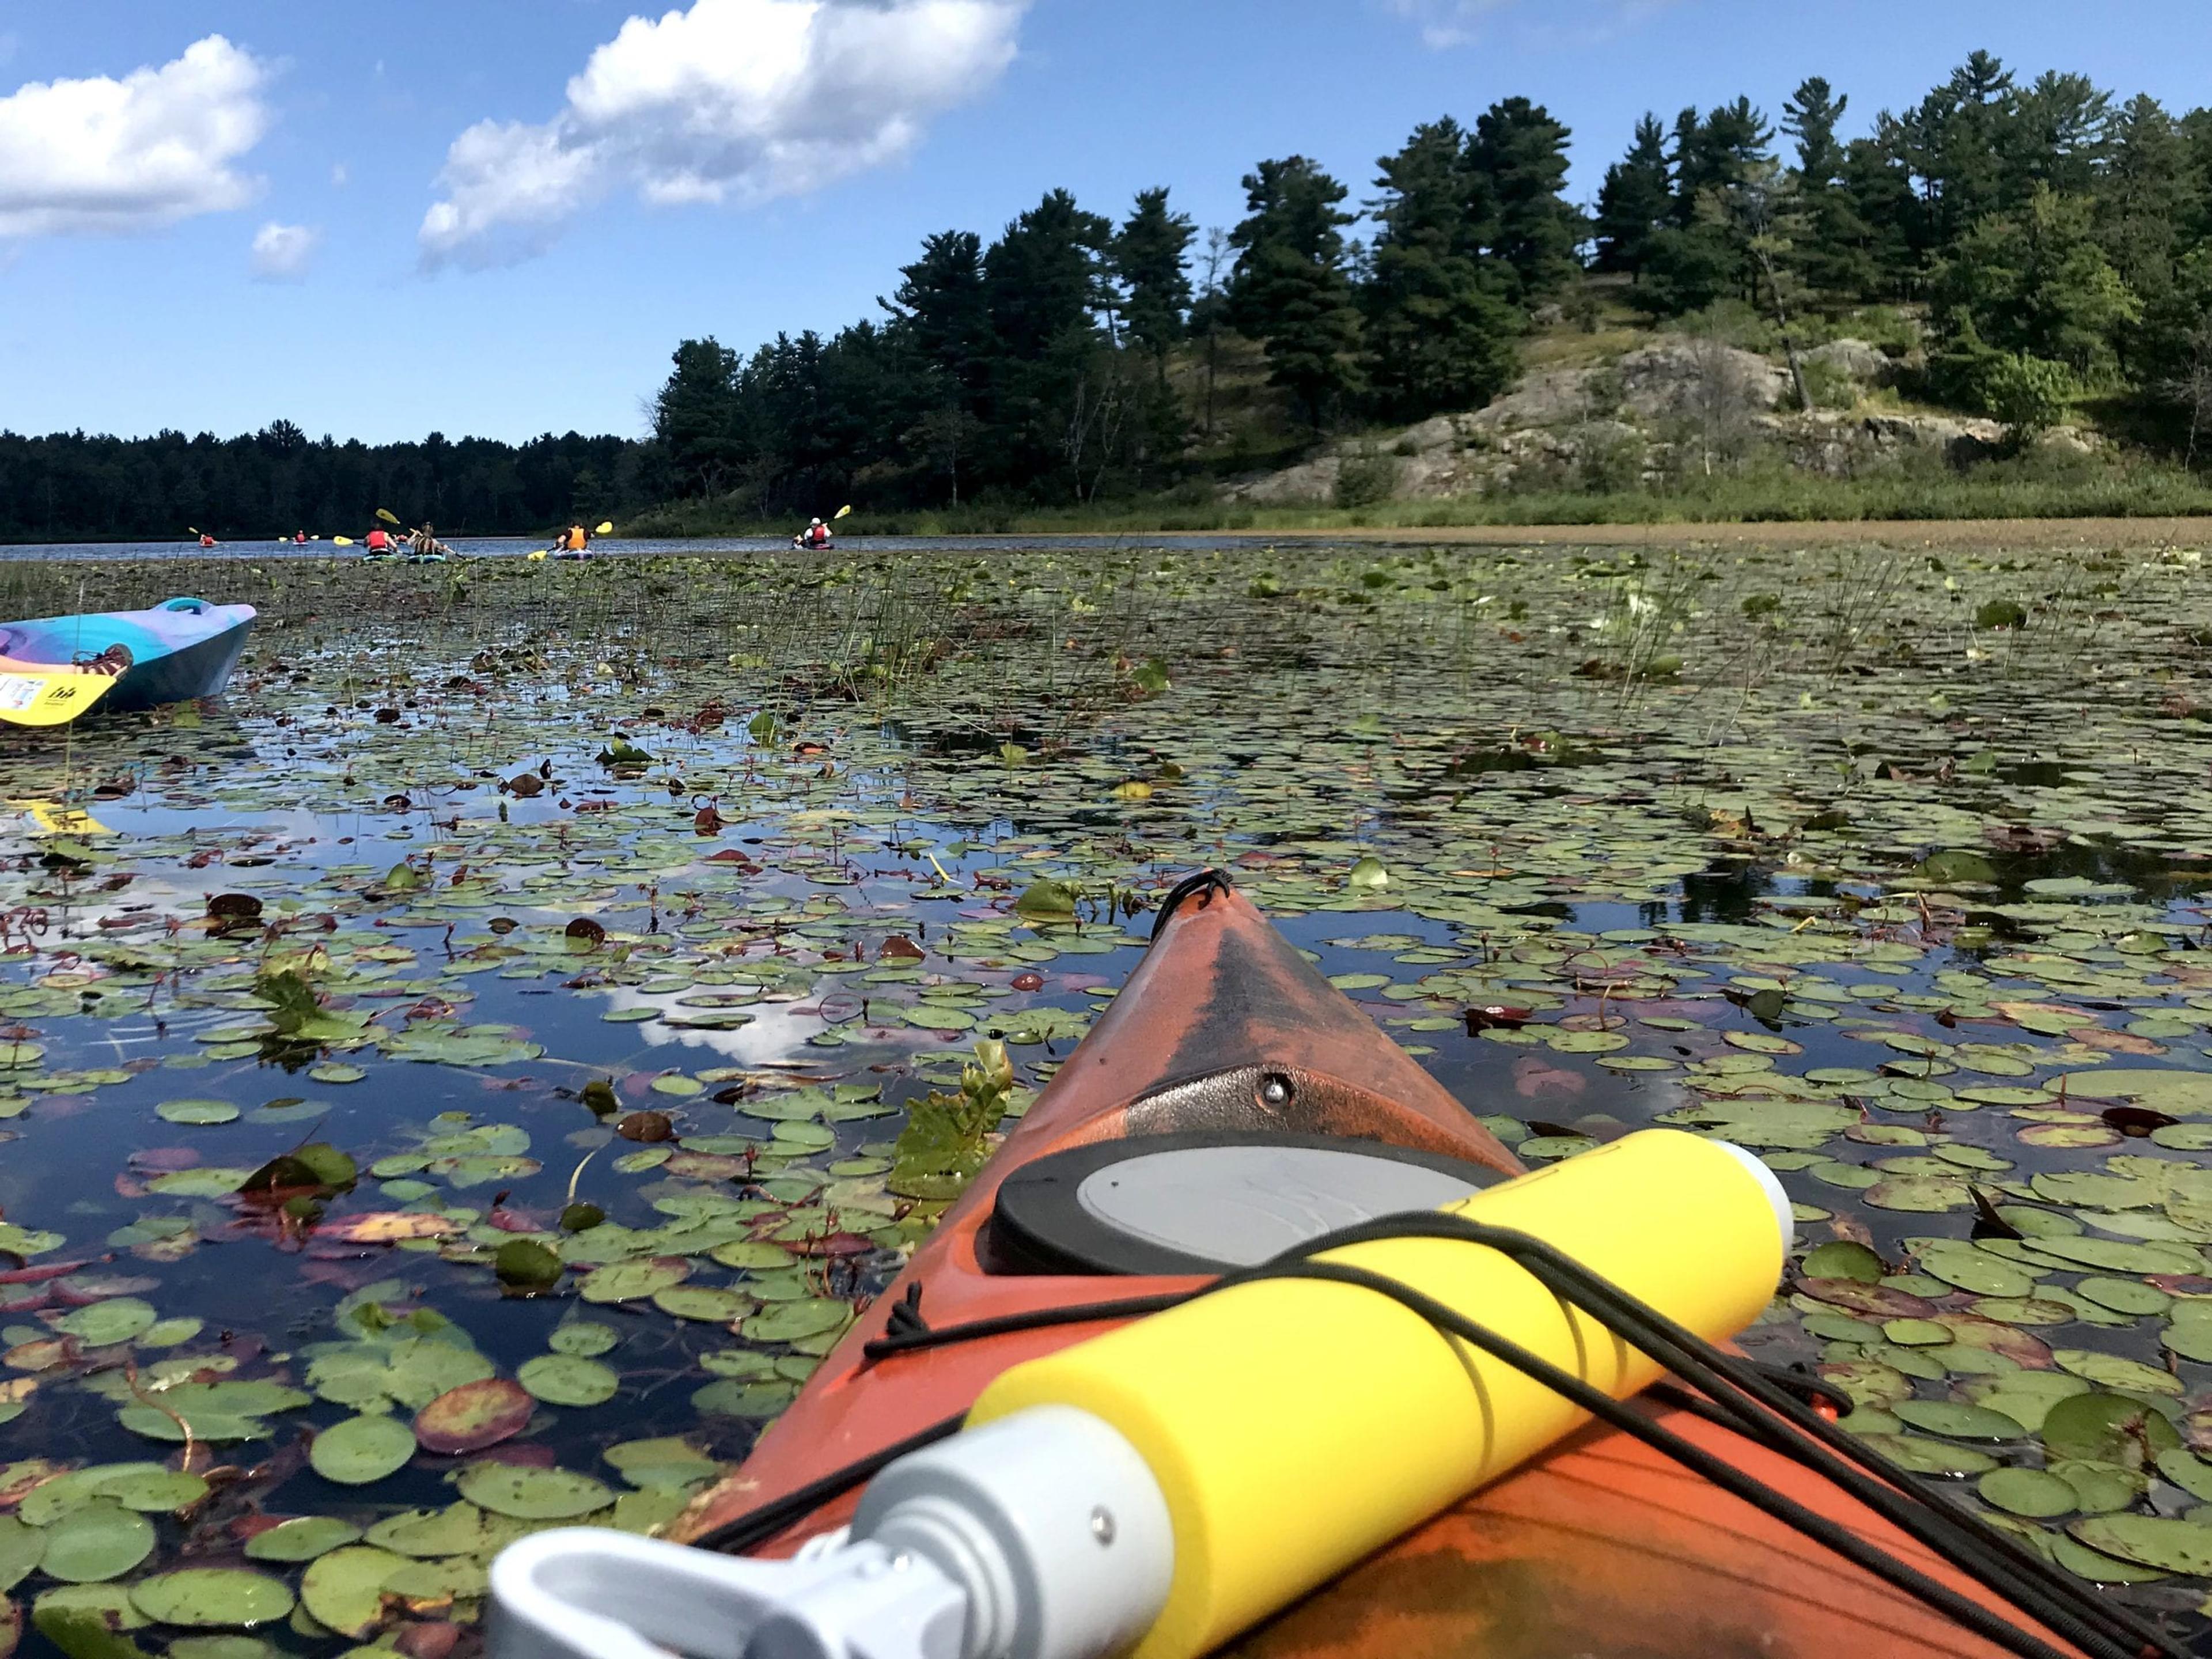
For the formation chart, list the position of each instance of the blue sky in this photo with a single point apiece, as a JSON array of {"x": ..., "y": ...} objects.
[{"x": 217, "y": 214}]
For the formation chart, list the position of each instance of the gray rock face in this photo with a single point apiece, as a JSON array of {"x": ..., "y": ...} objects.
[
  {"x": 1864, "y": 364},
  {"x": 1607, "y": 427}
]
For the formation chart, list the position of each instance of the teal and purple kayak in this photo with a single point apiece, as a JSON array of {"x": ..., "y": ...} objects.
[{"x": 54, "y": 668}]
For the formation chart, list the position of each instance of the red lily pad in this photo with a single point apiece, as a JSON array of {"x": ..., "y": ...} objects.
[
  {"x": 473, "y": 1416},
  {"x": 1877, "y": 1299}
]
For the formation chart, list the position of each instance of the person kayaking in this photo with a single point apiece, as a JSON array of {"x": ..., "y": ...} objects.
[
  {"x": 207, "y": 540},
  {"x": 816, "y": 535},
  {"x": 425, "y": 544},
  {"x": 575, "y": 540},
  {"x": 299, "y": 539},
  {"x": 377, "y": 543}
]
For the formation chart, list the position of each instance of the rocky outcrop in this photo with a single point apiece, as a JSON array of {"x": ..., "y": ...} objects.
[
  {"x": 1855, "y": 361},
  {"x": 1617, "y": 424}
]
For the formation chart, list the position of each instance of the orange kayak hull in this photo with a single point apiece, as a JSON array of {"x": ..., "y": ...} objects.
[{"x": 1600, "y": 1546}]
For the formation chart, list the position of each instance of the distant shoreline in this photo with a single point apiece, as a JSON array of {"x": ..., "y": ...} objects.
[{"x": 2145, "y": 533}]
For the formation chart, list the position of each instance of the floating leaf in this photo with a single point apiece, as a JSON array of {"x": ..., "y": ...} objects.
[
  {"x": 196, "y": 1111},
  {"x": 2031, "y": 1492},
  {"x": 2170, "y": 1546},
  {"x": 388, "y": 1227},
  {"x": 568, "y": 1380},
  {"x": 1048, "y": 898},
  {"x": 629, "y": 1281},
  {"x": 473, "y": 1416},
  {"x": 362, "y": 1450},
  {"x": 531, "y": 1494},
  {"x": 95, "y": 1542},
  {"x": 301, "y": 1539},
  {"x": 345, "y": 1590},
  {"x": 212, "y": 1598}
]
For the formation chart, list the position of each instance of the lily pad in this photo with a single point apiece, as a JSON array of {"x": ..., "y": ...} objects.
[
  {"x": 530, "y": 1494},
  {"x": 2184, "y": 1546},
  {"x": 630, "y": 1281},
  {"x": 362, "y": 1450},
  {"x": 568, "y": 1380},
  {"x": 2031, "y": 1492},
  {"x": 302, "y": 1537},
  {"x": 196, "y": 1111},
  {"x": 95, "y": 1542},
  {"x": 473, "y": 1416},
  {"x": 345, "y": 1590},
  {"x": 212, "y": 1598}
]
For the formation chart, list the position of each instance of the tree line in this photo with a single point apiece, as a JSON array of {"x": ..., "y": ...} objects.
[
  {"x": 72, "y": 487},
  {"x": 2052, "y": 243},
  {"x": 2048, "y": 242}
]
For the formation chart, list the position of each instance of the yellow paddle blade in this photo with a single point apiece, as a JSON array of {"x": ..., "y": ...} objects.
[
  {"x": 844, "y": 510},
  {"x": 52, "y": 818},
  {"x": 606, "y": 528},
  {"x": 341, "y": 541},
  {"x": 48, "y": 697},
  {"x": 387, "y": 516},
  {"x": 538, "y": 555}
]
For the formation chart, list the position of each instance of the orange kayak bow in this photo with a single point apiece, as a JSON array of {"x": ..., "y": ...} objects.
[{"x": 1226, "y": 1038}]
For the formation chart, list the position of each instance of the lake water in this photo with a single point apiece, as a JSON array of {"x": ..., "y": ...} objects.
[{"x": 1835, "y": 855}]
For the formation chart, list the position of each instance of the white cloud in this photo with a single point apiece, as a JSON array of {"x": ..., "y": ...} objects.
[
  {"x": 736, "y": 101},
  {"x": 1447, "y": 23},
  {"x": 104, "y": 155},
  {"x": 339, "y": 175},
  {"x": 282, "y": 253}
]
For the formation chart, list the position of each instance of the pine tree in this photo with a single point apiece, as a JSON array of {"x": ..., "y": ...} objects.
[
  {"x": 1052, "y": 381},
  {"x": 1632, "y": 202},
  {"x": 1834, "y": 254},
  {"x": 940, "y": 304},
  {"x": 1291, "y": 290},
  {"x": 1517, "y": 163},
  {"x": 1439, "y": 330},
  {"x": 1955, "y": 143},
  {"x": 2059, "y": 138},
  {"x": 696, "y": 416},
  {"x": 2035, "y": 283},
  {"x": 1150, "y": 256},
  {"x": 2143, "y": 197},
  {"x": 1693, "y": 261}
]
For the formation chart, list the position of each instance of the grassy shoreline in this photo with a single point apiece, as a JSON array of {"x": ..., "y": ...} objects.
[{"x": 1995, "y": 492}]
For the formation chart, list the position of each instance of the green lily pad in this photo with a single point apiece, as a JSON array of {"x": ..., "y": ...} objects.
[
  {"x": 584, "y": 1338},
  {"x": 531, "y": 1494},
  {"x": 20, "y": 1547},
  {"x": 2031, "y": 1492},
  {"x": 212, "y": 1598},
  {"x": 2184, "y": 1546},
  {"x": 460, "y": 1529},
  {"x": 629, "y": 1281},
  {"x": 706, "y": 1304},
  {"x": 103, "y": 1324},
  {"x": 362, "y": 1450},
  {"x": 2106, "y": 1428},
  {"x": 1956, "y": 1422},
  {"x": 302, "y": 1537},
  {"x": 95, "y": 1542},
  {"x": 784, "y": 1322},
  {"x": 344, "y": 1589},
  {"x": 1919, "y": 1456},
  {"x": 196, "y": 1111},
  {"x": 566, "y": 1380}
]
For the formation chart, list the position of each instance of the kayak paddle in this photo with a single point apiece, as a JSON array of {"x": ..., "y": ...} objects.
[{"x": 49, "y": 696}]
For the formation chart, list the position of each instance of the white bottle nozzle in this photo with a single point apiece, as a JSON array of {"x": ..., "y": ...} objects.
[{"x": 1041, "y": 1536}]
